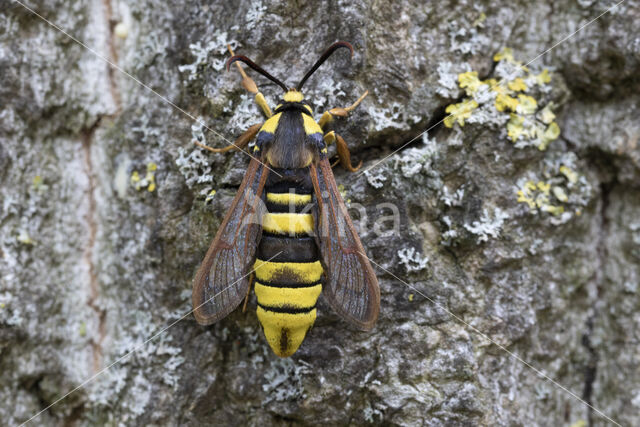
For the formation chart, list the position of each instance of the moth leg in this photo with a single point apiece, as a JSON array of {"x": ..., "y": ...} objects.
[
  {"x": 344, "y": 156},
  {"x": 252, "y": 87},
  {"x": 246, "y": 297},
  {"x": 239, "y": 144},
  {"x": 328, "y": 116}
]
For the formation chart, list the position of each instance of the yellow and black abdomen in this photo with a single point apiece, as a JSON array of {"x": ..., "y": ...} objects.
[{"x": 288, "y": 285}]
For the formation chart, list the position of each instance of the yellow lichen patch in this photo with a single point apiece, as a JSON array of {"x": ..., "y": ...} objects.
[
  {"x": 524, "y": 198},
  {"x": 342, "y": 190},
  {"x": 151, "y": 177},
  {"x": 550, "y": 196},
  {"x": 551, "y": 133},
  {"x": 505, "y": 102},
  {"x": 505, "y": 54},
  {"x": 571, "y": 175},
  {"x": 515, "y": 93},
  {"x": 479, "y": 22},
  {"x": 526, "y": 104},
  {"x": 514, "y": 127},
  {"x": 543, "y": 187},
  {"x": 459, "y": 112},
  {"x": 559, "y": 194},
  {"x": 149, "y": 180},
  {"x": 135, "y": 179},
  {"x": 24, "y": 238},
  {"x": 410, "y": 297},
  {"x": 552, "y": 209},
  {"x": 38, "y": 185},
  {"x": 210, "y": 196},
  {"x": 542, "y": 78},
  {"x": 517, "y": 85},
  {"x": 539, "y": 199},
  {"x": 546, "y": 115},
  {"x": 469, "y": 82}
]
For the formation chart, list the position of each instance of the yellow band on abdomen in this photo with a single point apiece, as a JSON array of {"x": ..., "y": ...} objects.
[
  {"x": 288, "y": 223},
  {"x": 288, "y": 198},
  {"x": 274, "y": 296},
  {"x": 288, "y": 272}
]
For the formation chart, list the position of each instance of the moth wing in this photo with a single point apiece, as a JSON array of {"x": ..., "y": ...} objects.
[
  {"x": 222, "y": 280},
  {"x": 351, "y": 287}
]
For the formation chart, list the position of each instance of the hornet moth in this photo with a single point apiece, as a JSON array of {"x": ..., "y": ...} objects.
[{"x": 288, "y": 225}]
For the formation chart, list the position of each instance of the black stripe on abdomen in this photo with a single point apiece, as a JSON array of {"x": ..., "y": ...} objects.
[{"x": 278, "y": 248}]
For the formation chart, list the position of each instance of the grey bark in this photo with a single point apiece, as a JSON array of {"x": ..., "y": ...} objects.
[{"x": 91, "y": 267}]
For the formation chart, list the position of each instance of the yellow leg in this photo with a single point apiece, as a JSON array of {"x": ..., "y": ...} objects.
[
  {"x": 239, "y": 144},
  {"x": 328, "y": 116},
  {"x": 344, "y": 156},
  {"x": 251, "y": 86},
  {"x": 329, "y": 138}
]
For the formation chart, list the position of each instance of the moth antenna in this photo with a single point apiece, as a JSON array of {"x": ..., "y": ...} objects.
[
  {"x": 255, "y": 67},
  {"x": 327, "y": 53}
]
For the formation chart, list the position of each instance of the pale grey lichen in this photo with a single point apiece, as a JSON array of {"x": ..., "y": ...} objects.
[
  {"x": 283, "y": 380},
  {"x": 452, "y": 199},
  {"x": 376, "y": 179},
  {"x": 467, "y": 38},
  {"x": 448, "y": 78},
  {"x": 254, "y": 14},
  {"x": 202, "y": 52},
  {"x": 412, "y": 260},
  {"x": 415, "y": 160},
  {"x": 195, "y": 166},
  {"x": 489, "y": 225}
]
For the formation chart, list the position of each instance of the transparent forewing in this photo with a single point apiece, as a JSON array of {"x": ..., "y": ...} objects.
[
  {"x": 351, "y": 287},
  {"x": 223, "y": 278}
]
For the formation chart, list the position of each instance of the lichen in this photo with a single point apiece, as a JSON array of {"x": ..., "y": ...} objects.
[
  {"x": 149, "y": 180},
  {"x": 516, "y": 97},
  {"x": 417, "y": 160},
  {"x": 412, "y": 260},
  {"x": 559, "y": 190},
  {"x": 377, "y": 179},
  {"x": 448, "y": 78},
  {"x": 217, "y": 45},
  {"x": 196, "y": 168},
  {"x": 283, "y": 380},
  {"x": 467, "y": 37},
  {"x": 489, "y": 225}
]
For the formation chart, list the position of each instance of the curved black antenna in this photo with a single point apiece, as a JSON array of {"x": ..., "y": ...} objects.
[
  {"x": 256, "y": 67},
  {"x": 323, "y": 58}
]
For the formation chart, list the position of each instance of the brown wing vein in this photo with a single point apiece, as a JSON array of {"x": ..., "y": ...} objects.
[
  {"x": 222, "y": 280},
  {"x": 351, "y": 287}
]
